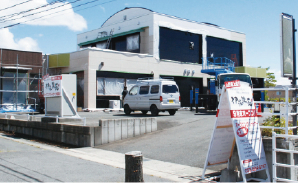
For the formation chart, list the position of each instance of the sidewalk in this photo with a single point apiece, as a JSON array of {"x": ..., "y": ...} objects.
[{"x": 154, "y": 170}]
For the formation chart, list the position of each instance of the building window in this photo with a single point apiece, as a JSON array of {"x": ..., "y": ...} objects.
[
  {"x": 110, "y": 86},
  {"x": 217, "y": 47},
  {"x": 113, "y": 86},
  {"x": 132, "y": 42},
  {"x": 180, "y": 46},
  {"x": 278, "y": 93},
  {"x": 102, "y": 45}
]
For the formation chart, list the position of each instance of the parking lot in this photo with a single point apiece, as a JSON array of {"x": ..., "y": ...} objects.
[{"x": 183, "y": 138}]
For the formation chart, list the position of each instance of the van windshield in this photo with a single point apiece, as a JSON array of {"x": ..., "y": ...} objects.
[{"x": 169, "y": 89}]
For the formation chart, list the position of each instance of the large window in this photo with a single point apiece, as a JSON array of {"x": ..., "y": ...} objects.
[
  {"x": 180, "y": 46},
  {"x": 217, "y": 47}
]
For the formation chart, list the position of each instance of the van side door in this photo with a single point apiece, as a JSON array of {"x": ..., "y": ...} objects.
[
  {"x": 143, "y": 103},
  {"x": 132, "y": 97}
]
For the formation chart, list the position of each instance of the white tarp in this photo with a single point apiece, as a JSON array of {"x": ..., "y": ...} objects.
[
  {"x": 132, "y": 42},
  {"x": 110, "y": 86}
]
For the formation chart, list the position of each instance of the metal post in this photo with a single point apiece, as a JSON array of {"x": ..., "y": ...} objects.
[
  {"x": 273, "y": 157},
  {"x": 17, "y": 82},
  {"x": 1, "y": 78},
  {"x": 294, "y": 79},
  {"x": 287, "y": 110},
  {"x": 56, "y": 119},
  {"x": 84, "y": 121}
]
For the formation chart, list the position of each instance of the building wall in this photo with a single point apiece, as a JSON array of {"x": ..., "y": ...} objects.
[
  {"x": 151, "y": 21},
  {"x": 89, "y": 61},
  {"x": 12, "y": 57}
]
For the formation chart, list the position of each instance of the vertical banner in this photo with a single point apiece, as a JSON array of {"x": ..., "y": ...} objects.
[
  {"x": 287, "y": 43},
  {"x": 52, "y": 86},
  {"x": 237, "y": 122}
]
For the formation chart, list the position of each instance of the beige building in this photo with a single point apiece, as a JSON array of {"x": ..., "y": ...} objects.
[{"x": 137, "y": 42}]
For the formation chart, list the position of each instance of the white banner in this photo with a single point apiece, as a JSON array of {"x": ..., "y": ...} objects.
[
  {"x": 246, "y": 128},
  {"x": 52, "y": 86}
]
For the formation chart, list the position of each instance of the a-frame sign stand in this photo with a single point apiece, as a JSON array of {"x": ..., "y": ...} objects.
[{"x": 237, "y": 122}]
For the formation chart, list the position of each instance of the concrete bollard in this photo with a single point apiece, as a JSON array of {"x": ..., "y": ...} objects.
[{"x": 134, "y": 166}]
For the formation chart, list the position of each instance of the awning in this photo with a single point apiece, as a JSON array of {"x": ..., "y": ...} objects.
[
  {"x": 115, "y": 35},
  {"x": 15, "y": 68}
]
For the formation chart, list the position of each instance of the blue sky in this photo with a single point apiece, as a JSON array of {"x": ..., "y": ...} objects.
[{"x": 258, "y": 19}]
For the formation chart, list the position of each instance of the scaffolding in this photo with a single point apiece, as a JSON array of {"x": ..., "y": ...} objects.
[{"x": 13, "y": 85}]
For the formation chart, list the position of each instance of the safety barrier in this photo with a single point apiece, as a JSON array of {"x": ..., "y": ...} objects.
[
  {"x": 274, "y": 162},
  {"x": 286, "y": 114},
  {"x": 286, "y": 103}
]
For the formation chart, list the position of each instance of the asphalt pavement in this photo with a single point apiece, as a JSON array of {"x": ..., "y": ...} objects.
[
  {"x": 176, "y": 152},
  {"x": 25, "y": 161}
]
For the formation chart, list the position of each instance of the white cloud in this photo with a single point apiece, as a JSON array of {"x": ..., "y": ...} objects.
[
  {"x": 280, "y": 80},
  {"x": 66, "y": 18},
  {"x": 8, "y": 41},
  {"x": 103, "y": 8}
]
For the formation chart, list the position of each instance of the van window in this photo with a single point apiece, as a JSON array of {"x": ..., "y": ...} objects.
[
  {"x": 134, "y": 90},
  {"x": 144, "y": 90},
  {"x": 154, "y": 89},
  {"x": 169, "y": 89}
]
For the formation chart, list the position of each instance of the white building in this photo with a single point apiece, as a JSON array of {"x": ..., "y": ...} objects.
[{"x": 143, "y": 43}]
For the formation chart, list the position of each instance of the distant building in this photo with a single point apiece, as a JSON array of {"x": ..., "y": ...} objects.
[
  {"x": 278, "y": 93},
  {"x": 20, "y": 71},
  {"x": 137, "y": 42}
]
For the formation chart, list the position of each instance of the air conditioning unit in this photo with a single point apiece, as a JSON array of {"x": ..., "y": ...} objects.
[{"x": 114, "y": 104}]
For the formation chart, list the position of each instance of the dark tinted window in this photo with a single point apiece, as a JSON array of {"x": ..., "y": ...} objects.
[
  {"x": 144, "y": 90},
  {"x": 169, "y": 89},
  {"x": 217, "y": 47},
  {"x": 180, "y": 46},
  {"x": 154, "y": 89}
]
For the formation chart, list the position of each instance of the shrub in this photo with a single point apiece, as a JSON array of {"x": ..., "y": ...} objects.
[{"x": 276, "y": 122}]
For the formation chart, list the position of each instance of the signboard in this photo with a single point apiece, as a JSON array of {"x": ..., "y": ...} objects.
[
  {"x": 287, "y": 43},
  {"x": 237, "y": 122},
  {"x": 52, "y": 86}
]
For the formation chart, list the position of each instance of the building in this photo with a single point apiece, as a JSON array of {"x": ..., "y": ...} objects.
[
  {"x": 20, "y": 71},
  {"x": 137, "y": 42},
  {"x": 276, "y": 94}
]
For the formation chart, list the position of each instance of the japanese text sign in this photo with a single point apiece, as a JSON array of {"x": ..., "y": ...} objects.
[{"x": 52, "y": 86}]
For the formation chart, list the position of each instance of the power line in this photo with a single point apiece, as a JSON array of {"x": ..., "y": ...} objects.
[
  {"x": 7, "y": 19},
  {"x": 15, "y": 14},
  {"x": 12, "y": 25},
  {"x": 15, "y": 5}
]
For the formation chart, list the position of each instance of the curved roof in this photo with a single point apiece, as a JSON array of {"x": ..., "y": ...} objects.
[{"x": 131, "y": 11}]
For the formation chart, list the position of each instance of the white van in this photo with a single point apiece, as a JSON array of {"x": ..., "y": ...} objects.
[{"x": 153, "y": 95}]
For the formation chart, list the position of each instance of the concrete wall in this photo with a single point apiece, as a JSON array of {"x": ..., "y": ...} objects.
[{"x": 83, "y": 136}]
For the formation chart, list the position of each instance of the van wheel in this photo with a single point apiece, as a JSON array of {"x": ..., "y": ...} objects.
[
  {"x": 127, "y": 110},
  {"x": 154, "y": 110},
  {"x": 172, "y": 112},
  {"x": 144, "y": 112}
]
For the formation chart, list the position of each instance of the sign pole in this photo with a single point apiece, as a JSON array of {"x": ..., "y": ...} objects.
[{"x": 294, "y": 79}]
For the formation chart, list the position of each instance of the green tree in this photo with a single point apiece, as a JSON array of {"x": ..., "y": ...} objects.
[{"x": 270, "y": 79}]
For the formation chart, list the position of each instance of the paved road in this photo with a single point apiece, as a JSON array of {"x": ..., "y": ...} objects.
[
  {"x": 184, "y": 138},
  {"x": 22, "y": 162}
]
